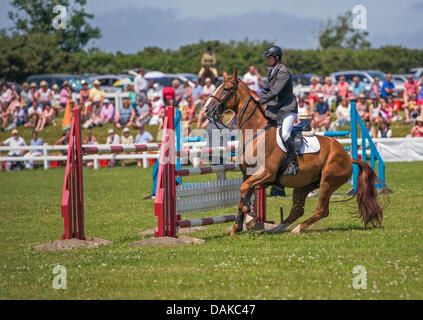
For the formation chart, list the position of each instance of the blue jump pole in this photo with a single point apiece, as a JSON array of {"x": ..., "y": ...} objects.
[{"x": 354, "y": 146}]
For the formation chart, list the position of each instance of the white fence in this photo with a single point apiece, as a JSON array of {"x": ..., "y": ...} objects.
[{"x": 46, "y": 158}]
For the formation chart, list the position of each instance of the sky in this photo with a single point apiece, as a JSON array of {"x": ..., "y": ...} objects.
[{"x": 131, "y": 25}]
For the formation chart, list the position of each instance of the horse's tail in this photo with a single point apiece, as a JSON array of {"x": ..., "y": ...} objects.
[{"x": 368, "y": 204}]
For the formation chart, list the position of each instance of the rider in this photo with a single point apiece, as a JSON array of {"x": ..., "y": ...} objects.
[
  {"x": 281, "y": 102},
  {"x": 208, "y": 61}
]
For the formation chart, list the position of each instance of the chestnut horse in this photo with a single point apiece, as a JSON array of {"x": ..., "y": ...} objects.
[{"x": 327, "y": 169}]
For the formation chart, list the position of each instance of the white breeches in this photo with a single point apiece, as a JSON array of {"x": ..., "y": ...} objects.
[{"x": 287, "y": 120}]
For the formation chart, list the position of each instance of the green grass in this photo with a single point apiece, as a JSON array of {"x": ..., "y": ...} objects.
[{"x": 314, "y": 265}]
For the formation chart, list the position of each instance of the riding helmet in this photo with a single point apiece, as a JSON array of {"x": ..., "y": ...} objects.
[{"x": 273, "y": 51}]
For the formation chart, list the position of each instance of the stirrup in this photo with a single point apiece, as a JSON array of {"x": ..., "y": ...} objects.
[{"x": 291, "y": 170}]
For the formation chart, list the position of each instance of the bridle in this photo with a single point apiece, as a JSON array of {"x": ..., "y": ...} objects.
[{"x": 217, "y": 111}]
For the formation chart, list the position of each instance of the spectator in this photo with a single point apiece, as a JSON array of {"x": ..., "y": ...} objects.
[
  {"x": 370, "y": 129},
  {"x": 304, "y": 109},
  {"x": 188, "y": 113},
  {"x": 34, "y": 113},
  {"x": 158, "y": 108},
  {"x": 420, "y": 93},
  {"x": 112, "y": 137},
  {"x": 126, "y": 115},
  {"x": 18, "y": 118},
  {"x": 142, "y": 112},
  {"x": 321, "y": 113},
  {"x": 374, "y": 113},
  {"x": 97, "y": 96},
  {"x": 357, "y": 89},
  {"x": 25, "y": 92},
  {"x": 14, "y": 141},
  {"x": 384, "y": 131},
  {"x": 31, "y": 96},
  {"x": 132, "y": 95},
  {"x": 64, "y": 141},
  {"x": 65, "y": 94},
  {"x": 90, "y": 139},
  {"x": 141, "y": 84},
  {"x": 179, "y": 91},
  {"x": 107, "y": 114},
  {"x": 151, "y": 91},
  {"x": 35, "y": 141},
  {"x": 47, "y": 117},
  {"x": 385, "y": 112},
  {"x": 197, "y": 91},
  {"x": 362, "y": 107},
  {"x": 209, "y": 88},
  {"x": 187, "y": 91},
  {"x": 342, "y": 89},
  {"x": 55, "y": 103},
  {"x": 343, "y": 113},
  {"x": 4, "y": 115},
  {"x": 315, "y": 90},
  {"x": 44, "y": 94},
  {"x": 84, "y": 94},
  {"x": 375, "y": 89},
  {"x": 126, "y": 138},
  {"x": 388, "y": 87},
  {"x": 410, "y": 88},
  {"x": 253, "y": 79},
  {"x": 411, "y": 109},
  {"x": 393, "y": 113},
  {"x": 417, "y": 130},
  {"x": 6, "y": 95},
  {"x": 329, "y": 91},
  {"x": 143, "y": 137}
]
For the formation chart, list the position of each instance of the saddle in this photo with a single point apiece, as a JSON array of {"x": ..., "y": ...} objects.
[{"x": 301, "y": 130}]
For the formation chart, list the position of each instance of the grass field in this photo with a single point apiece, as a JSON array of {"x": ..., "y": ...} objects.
[{"x": 314, "y": 265}]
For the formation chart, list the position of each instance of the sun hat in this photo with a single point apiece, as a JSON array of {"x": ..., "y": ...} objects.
[
  {"x": 43, "y": 83},
  {"x": 126, "y": 130},
  {"x": 96, "y": 82},
  {"x": 55, "y": 86},
  {"x": 320, "y": 95},
  {"x": 111, "y": 131},
  {"x": 419, "y": 119},
  {"x": 33, "y": 85},
  {"x": 208, "y": 79},
  {"x": 107, "y": 101}
]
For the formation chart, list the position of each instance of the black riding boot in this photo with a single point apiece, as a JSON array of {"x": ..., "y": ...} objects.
[{"x": 292, "y": 168}]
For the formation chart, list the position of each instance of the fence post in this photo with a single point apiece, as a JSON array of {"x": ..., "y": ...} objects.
[
  {"x": 354, "y": 147},
  {"x": 46, "y": 154}
]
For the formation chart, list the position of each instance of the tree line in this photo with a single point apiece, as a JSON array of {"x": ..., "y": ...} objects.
[{"x": 32, "y": 46}]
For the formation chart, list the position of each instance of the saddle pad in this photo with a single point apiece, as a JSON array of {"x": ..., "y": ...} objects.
[{"x": 310, "y": 145}]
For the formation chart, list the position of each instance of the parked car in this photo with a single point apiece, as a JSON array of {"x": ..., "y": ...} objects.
[
  {"x": 107, "y": 82},
  {"x": 417, "y": 73},
  {"x": 366, "y": 76},
  {"x": 302, "y": 83},
  {"x": 52, "y": 79}
]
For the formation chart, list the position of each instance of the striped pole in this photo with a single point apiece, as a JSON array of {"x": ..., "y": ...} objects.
[
  {"x": 205, "y": 221},
  {"x": 206, "y": 170},
  {"x": 101, "y": 149},
  {"x": 333, "y": 133}
]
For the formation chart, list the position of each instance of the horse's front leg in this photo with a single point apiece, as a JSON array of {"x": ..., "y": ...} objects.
[{"x": 244, "y": 207}]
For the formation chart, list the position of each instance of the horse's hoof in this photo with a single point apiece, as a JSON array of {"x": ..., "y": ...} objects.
[
  {"x": 251, "y": 222},
  {"x": 278, "y": 229},
  {"x": 297, "y": 230}
]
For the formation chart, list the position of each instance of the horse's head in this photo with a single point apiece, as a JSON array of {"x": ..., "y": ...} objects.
[{"x": 224, "y": 97}]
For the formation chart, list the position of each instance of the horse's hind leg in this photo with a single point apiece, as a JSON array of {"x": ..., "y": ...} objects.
[
  {"x": 328, "y": 185},
  {"x": 299, "y": 197}
]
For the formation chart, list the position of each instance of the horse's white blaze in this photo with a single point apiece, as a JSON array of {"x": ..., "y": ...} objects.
[{"x": 210, "y": 99}]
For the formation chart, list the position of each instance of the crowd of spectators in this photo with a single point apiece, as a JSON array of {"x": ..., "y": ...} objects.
[{"x": 327, "y": 104}]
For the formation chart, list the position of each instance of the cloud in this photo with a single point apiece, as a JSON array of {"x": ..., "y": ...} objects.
[{"x": 131, "y": 29}]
